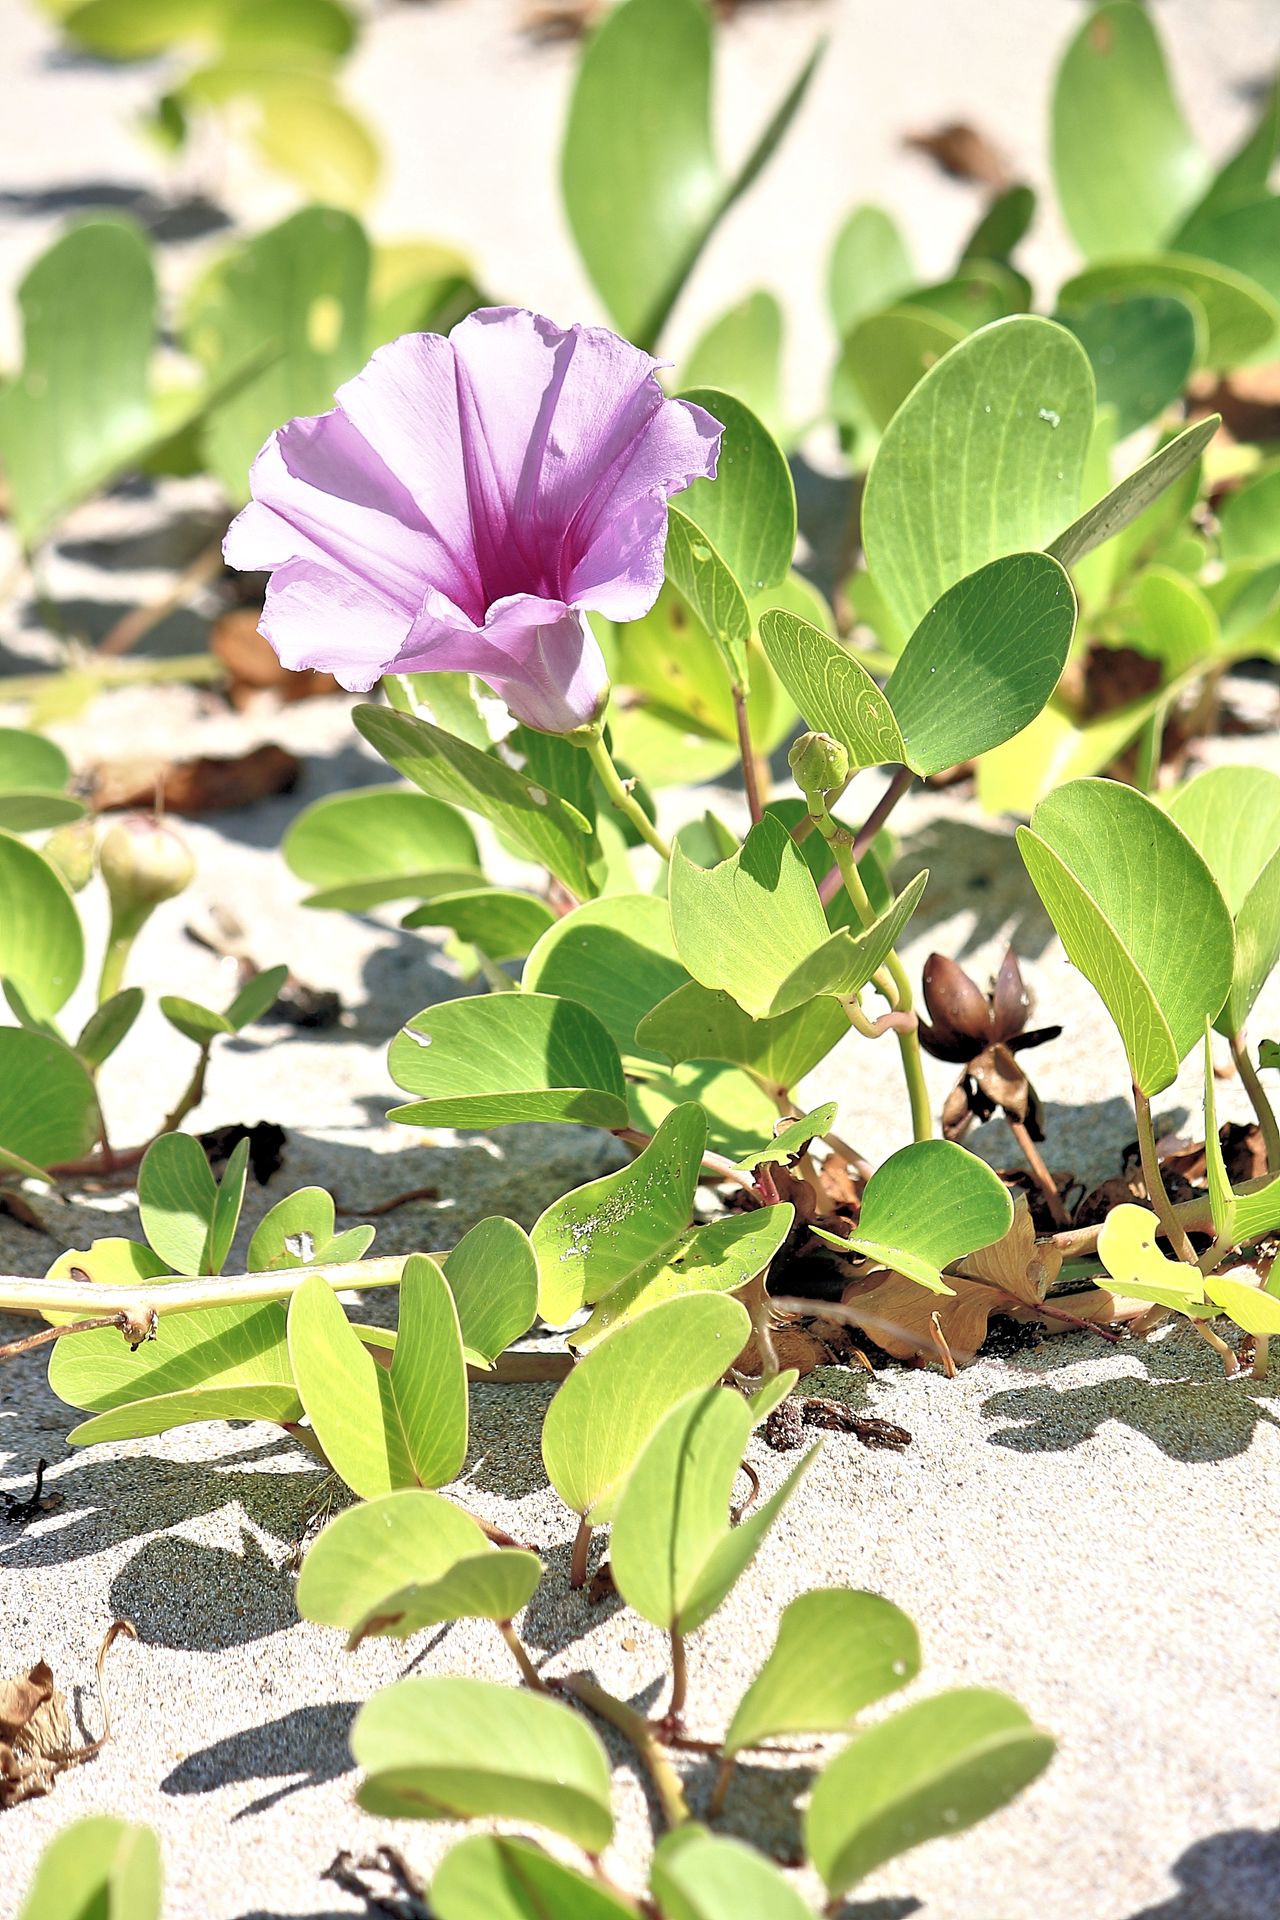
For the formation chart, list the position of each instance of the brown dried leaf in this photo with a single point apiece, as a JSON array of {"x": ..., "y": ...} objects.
[
  {"x": 1018, "y": 1264},
  {"x": 962, "y": 153},
  {"x": 253, "y": 666},
  {"x": 794, "y": 1346},
  {"x": 210, "y": 784},
  {"x": 898, "y": 1313},
  {"x": 35, "y": 1729}
]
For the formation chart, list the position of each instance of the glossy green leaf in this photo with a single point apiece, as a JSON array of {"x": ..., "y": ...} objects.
[
  {"x": 1232, "y": 816},
  {"x": 504, "y": 1057},
  {"x": 177, "y": 1195},
  {"x": 48, "y": 1107},
  {"x": 642, "y": 187},
  {"x": 1131, "y": 899},
  {"x": 698, "y": 1875},
  {"x": 1127, "y": 1249},
  {"x": 934, "y": 1768},
  {"x": 1142, "y": 348},
  {"x": 602, "y": 1417},
  {"x": 791, "y": 1138},
  {"x": 613, "y": 956},
  {"x": 704, "y": 577},
  {"x": 297, "y": 291},
  {"x": 503, "y": 925},
  {"x": 301, "y": 1231},
  {"x": 359, "y": 849},
  {"x": 674, "y": 1555},
  {"x": 748, "y": 511},
  {"x": 836, "y": 1652},
  {"x": 929, "y": 1204},
  {"x": 452, "y": 1748},
  {"x": 754, "y": 926},
  {"x": 226, "y": 1206},
  {"x": 41, "y": 945},
  {"x": 885, "y": 356},
  {"x": 1241, "y": 317},
  {"x": 539, "y": 825},
  {"x": 392, "y": 1566},
  {"x": 493, "y": 1277},
  {"x": 738, "y": 1109},
  {"x": 985, "y": 457},
  {"x": 719, "y": 1257},
  {"x": 497, "y": 1877},
  {"x": 1124, "y": 160},
  {"x": 870, "y": 268},
  {"x": 983, "y": 661},
  {"x": 108, "y": 1025},
  {"x": 703, "y": 1023},
  {"x": 97, "y": 1868},
  {"x": 832, "y": 689},
  {"x": 1134, "y": 494},
  {"x": 384, "y": 1427},
  {"x": 741, "y": 353}
]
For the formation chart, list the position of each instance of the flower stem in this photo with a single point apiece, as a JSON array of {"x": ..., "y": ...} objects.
[
  {"x": 1257, "y": 1099},
  {"x": 621, "y": 797},
  {"x": 750, "y": 765},
  {"x": 519, "y": 1653},
  {"x": 1153, "y": 1180},
  {"x": 679, "y": 1678},
  {"x": 635, "y": 1728}
]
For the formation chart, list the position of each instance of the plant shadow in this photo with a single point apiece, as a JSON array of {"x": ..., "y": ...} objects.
[
  {"x": 1227, "y": 1876},
  {"x": 972, "y": 868},
  {"x": 272, "y": 1751},
  {"x": 195, "y": 1597}
]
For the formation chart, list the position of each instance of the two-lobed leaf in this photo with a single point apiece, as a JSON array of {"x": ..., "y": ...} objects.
[{"x": 500, "y": 1058}]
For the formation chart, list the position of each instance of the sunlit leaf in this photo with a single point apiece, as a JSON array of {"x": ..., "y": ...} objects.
[
  {"x": 748, "y": 511},
  {"x": 359, "y": 849},
  {"x": 832, "y": 689},
  {"x": 1232, "y": 815},
  {"x": 493, "y": 1277},
  {"x": 927, "y": 1205},
  {"x": 836, "y": 1652},
  {"x": 1127, "y": 1249},
  {"x": 741, "y": 353},
  {"x": 496, "y": 1877},
  {"x": 1134, "y": 494},
  {"x": 500, "y": 1058},
  {"x": 613, "y": 956},
  {"x": 97, "y": 1866},
  {"x": 870, "y": 267},
  {"x": 301, "y": 1231},
  {"x": 697, "y": 1875},
  {"x": 48, "y": 1107},
  {"x": 41, "y": 944}
]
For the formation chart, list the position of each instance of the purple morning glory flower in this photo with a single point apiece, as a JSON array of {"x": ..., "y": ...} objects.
[{"x": 465, "y": 505}]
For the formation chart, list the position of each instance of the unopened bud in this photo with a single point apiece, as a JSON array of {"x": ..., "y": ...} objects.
[
  {"x": 144, "y": 861},
  {"x": 818, "y": 763},
  {"x": 70, "y": 849}
]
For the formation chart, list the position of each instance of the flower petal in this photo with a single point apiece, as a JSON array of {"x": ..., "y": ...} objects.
[
  {"x": 319, "y": 616},
  {"x": 539, "y": 656}
]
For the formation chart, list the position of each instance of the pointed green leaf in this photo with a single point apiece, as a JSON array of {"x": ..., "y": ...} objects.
[
  {"x": 540, "y": 826},
  {"x": 1131, "y": 899},
  {"x": 613, "y": 956},
  {"x": 934, "y": 1768},
  {"x": 748, "y": 511},
  {"x": 985, "y": 457},
  {"x": 983, "y": 661},
  {"x": 108, "y": 1025},
  {"x": 226, "y": 1207},
  {"x": 697, "y": 1875},
  {"x": 930, "y": 1204},
  {"x": 98, "y": 1868},
  {"x": 792, "y": 1138},
  {"x": 496, "y": 1877},
  {"x": 1232, "y": 816},
  {"x": 177, "y": 1195},
  {"x": 836, "y": 1653},
  {"x": 200, "y": 1025},
  {"x": 48, "y": 1107},
  {"x": 601, "y": 1418},
  {"x": 300, "y": 1231},
  {"x": 41, "y": 944},
  {"x": 504, "y": 1057},
  {"x": 359, "y": 849},
  {"x": 256, "y": 997},
  {"x": 1117, "y": 509},
  {"x": 493, "y": 1277},
  {"x": 703, "y": 1023},
  {"x": 380, "y": 1427},
  {"x": 832, "y": 689},
  {"x": 453, "y": 1748}
]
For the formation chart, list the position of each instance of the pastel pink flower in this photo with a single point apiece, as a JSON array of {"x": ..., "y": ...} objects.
[{"x": 467, "y": 503}]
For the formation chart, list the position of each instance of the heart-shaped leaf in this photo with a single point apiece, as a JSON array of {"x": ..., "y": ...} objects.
[
  {"x": 983, "y": 661},
  {"x": 48, "y": 1106},
  {"x": 985, "y": 457},
  {"x": 539, "y": 825},
  {"x": 1142, "y": 348},
  {"x": 836, "y": 1652},
  {"x": 496, "y": 1877},
  {"x": 383, "y": 1428},
  {"x": 702, "y": 1023},
  {"x": 504, "y": 1057},
  {"x": 493, "y": 1277},
  {"x": 601, "y": 1418},
  {"x": 41, "y": 945},
  {"x": 1240, "y": 317},
  {"x": 460, "y": 1749},
  {"x": 613, "y": 956},
  {"x": 1124, "y": 160},
  {"x": 674, "y": 1555},
  {"x": 1134, "y": 494},
  {"x": 1127, "y": 1249},
  {"x": 382, "y": 843},
  {"x": 934, "y": 1768},
  {"x": 301, "y": 1231},
  {"x": 99, "y": 1866},
  {"x": 832, "y": 689},
  {"x": 1232, "y": 815},
  {"x": 406, "y": 1561},
  {"x": 748, "y": 511},
  {"x": 929, "y": 1204},
  {"x": 718, "y": 1258},
  {"x": 1131, "y": 899},
  {"x": 754, "y": 926},
  {"x": 697, "y": 1875}
]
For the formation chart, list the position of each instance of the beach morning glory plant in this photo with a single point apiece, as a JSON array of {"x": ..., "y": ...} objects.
[{"x": 467, "y": 503}]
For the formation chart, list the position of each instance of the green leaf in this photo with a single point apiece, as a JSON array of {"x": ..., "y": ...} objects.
[
  {"x": 1242, "y": 234},
  {"x": 613, "y": 956},
  {"x": 297, "y": 28},
  {"x": 503, "y": 925},
  {"x": 493, "y": 1277},
  {"x": 1241, "y": 317},
  {"x": 1232, "y": 816},
  {"x": 497, "y": 1877},
  {"x": 300, "y": 290},
  {"x": 359, "y": 849},
  {"x": 602, "y": 1417},
  {"x": 1249, "y": 520},
  {"x": 256, "y": 997},
  {"x": 1142, "y": 348},
  {"x": 792, "y": 1138},
  {"x": 504, "y": 1057},
  {"x": 934, "y": 1768},
  {"x": 307, "y": 133},
  {"x": 1134, "y": 494},
  {"x": 1252, "y": 1309},
  {"x": 108, "y": 1024},
  {"x": 870, "y": 268},
  {"x": 41, "y": 945},
  {"x": 227, "y": 1205},
  {"x": 674, "y": 1555},
  {"x": 97, "y": 1868},
  {"x": 930, "y": 1204},
  {"x": 741, "y": 353},
  {"x": 717, "y": 1258},
  {"x": 1006, "y": 221},
  {"x": 738, "y": 1109},
  {"x": 540, "y": 826},
  {"x": 698, "y": 1875},
  {"x": 754, "y": 926},
  {"x": 748, "y": 511},
  {"x": 1127, "y": 1249},
  {"x": 703, "y": 1023},
  {"x": 985, "y": 457},
  {"x": 33, "y": 775},
  {"x": 409, "y": 1560},
  {"x": 983, "y": 661},
  {"x": 80, "y": 408},
  {"x": 299, "y": 1231},
  {"x": 177, "y": 1195},
  {"x": 832, "y": 689},
  {"x": 381, "y": 1427},
  {"x": 836, "y": 1653},
  {"x": 201, "y": 1025},
  {"x": 453, "y": 1748},
  {"x": 1237, "y": 1218},
  {"x": 1131, "y": 899},
  {"x": 641, "y": 183},
  {"x": 26, "y": 812},
  {"x": 885, "y": 356},
  {"x": 1249, "y": 167},
  {"x": 703, "y": 576},
  {"x": 1124, "y": 161},
  {"x": 48, "y": 1107}
]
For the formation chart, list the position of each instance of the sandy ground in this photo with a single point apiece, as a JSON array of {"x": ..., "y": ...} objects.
[{"x": 1095, "y": 1531}]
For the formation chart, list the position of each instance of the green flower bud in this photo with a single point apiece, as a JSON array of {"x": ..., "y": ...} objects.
[
  {"x": 70, "y": 850},
  {"x": 144, "y": 861},
  {"x": 818, "y": 763}
]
